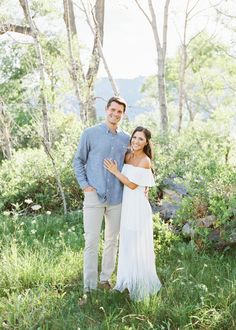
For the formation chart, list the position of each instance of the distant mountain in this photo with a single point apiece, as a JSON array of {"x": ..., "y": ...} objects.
[{"x": 130, "y": 90}]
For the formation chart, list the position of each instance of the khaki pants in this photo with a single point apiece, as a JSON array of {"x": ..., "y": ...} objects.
[{"x": 93, "y": 212}]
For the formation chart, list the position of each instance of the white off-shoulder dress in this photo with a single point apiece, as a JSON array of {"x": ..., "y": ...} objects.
[{"x": 136, "y": 261}]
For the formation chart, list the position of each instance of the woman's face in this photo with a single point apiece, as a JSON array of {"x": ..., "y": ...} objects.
[{"x": 138, "y": 141}]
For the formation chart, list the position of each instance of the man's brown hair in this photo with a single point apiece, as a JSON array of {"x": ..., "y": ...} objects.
[{"x": 118, "y": 100}]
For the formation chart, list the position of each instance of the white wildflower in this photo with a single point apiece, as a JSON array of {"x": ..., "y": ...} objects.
[
  {"x": 48, "y": 212},
  {"x": 28, "y": 201},
  {"x": 36, "y": 207},
  {"x": 33, "y": 231},
  {"x": 6, "y": 213}
]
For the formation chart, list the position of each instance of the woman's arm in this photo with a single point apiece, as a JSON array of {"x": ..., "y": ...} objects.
[{"x": 112, "y": 167}]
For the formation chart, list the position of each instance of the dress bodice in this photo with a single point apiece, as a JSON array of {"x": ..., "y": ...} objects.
[{"x": 141, "y": 176}]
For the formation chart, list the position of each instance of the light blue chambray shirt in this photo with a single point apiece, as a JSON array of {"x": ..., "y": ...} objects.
[{"x": 96, "y": 144}]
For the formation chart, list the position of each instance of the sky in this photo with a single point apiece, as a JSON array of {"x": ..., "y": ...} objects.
[
  {"x": 128, "y": 42},
  {"x": 129, "y": 46}
]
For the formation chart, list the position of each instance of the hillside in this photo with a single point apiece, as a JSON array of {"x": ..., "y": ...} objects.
[{"x": 130, "y": 90}]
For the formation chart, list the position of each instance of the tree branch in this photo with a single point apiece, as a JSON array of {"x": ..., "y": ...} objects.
[
  {"x": 57, "y": 176},
  {"x": 143, "y": 11},
  {"x": 4, "y": 28},
  {"x": 165, "y": 26}
]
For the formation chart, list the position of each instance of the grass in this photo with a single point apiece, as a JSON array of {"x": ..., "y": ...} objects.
[{"x": 41, "y": 283}]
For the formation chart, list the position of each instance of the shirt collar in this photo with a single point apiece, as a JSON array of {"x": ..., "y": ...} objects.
[{"x": 107, "y": 129}]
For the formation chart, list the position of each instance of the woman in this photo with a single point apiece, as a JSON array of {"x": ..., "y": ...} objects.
[{"x": 136, "y": 263}]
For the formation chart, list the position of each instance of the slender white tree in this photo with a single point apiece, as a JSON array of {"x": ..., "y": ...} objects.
[
  {"x": 42, "y": 95},
  {"x": 5, "y": 131},
  {"x": 161, "y": 47},
  {"x": 83, "y": 82}
]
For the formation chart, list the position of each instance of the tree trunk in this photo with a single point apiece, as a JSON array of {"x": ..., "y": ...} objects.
[
  {"x": 183, "y": 62},
  {"x": 162, "y": 93},
  {"x": 42, "y": 96},
  {"x": 191, "y": 115},
  {"x": 95, "y": 56},
  {"x": 161, "y": 55},
  {"x": 58, "y": 179},
  {"x": 75, "y": 70},
  {"x": 84, "y": 83},
  {"x": 5, "y": 125},
  {"x": 182, "y": 69},
  {"x": 69, "y": 16},
  {"x": 100, "y": 50}
]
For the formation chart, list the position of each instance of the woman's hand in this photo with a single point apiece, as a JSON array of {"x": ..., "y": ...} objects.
[{"x": 111, "y": 166}]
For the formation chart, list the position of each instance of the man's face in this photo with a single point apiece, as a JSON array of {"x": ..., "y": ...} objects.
[{"x": 114, "y": 113}]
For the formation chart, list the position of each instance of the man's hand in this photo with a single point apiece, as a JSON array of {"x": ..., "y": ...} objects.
[{"x": 89, "y": 188}]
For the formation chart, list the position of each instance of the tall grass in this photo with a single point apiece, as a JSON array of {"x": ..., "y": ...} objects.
[{"x": 41, "y": 283}]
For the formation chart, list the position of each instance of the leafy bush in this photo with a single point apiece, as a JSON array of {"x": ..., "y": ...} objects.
[
  {"x": 218, "y": 198},
  {"x": 204, "y": 162},
  {"x": 31, "y": 175},
  {"x": 164, "y": 236}
]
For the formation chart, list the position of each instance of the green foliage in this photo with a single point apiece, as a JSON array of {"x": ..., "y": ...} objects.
[
  {"x": 30, "y": 174},
  {"x": 204, "y": 51},
  {"x": 19, "y": 88},
  {"x": 17, "y": 62},
  {"x": 208, "y": 83},
  {"x": 41, "y": 282},
  {"x": 203, "y": 161},
  {"x": 41, "y": 7},
  {"x": 48, "y": 230},
  {"x": 213, "y": 193},
  {"x": 223, "y": 207},
  {"x": 163, "y": 234}
]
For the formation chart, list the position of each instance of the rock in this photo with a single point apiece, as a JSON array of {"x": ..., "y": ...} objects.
[
  {"x": 187, "y": 230},
  {"x": 155, "y": 208},
  {"x": 214, "y": 235},
  {"x": 167, "y": 211},
  {"x": 207, "y": 221},
  {"x": 171, "y": 196},
  {"x": 232, "y": 237},
  {"x": 177, "y": 187}
]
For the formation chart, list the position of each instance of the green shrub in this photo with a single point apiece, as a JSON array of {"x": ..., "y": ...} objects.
[
  {"x": 199, "y": 158},
  {"x": 30, "y": 175},
  {"x": 163, "y": 235}
]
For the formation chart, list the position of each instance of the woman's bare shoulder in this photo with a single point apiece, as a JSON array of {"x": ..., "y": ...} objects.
[
  {"x": 128, "y": 156},
  {"x": 145, "y": 162}
]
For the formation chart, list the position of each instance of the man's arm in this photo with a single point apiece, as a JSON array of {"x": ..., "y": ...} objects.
[{"x": 80, "y": 160}]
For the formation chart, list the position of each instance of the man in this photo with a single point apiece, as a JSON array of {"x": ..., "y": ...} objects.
[{"x": 102, "y": 191}]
